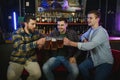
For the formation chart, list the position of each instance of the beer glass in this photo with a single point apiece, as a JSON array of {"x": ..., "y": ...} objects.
[
  {"x": 60, "y": 42},
  {"x": 47, "y": 43},
  {"x": 53, "y": 44}
]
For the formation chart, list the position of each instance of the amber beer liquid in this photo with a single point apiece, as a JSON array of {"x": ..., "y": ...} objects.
[
  {"x": 47, "y": 43},
  {"x": 53, "y": 44},
  {"x": 60, "y": 42}
]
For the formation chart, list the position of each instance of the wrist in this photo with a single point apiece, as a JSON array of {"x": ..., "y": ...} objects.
[
  {"x": 70, "y": 43},
  {"x": 74, "y": 44},
  {"x": 34, "y": 44}
]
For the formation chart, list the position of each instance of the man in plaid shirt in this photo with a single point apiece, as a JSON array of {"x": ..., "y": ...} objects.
[
  {"x": 65, "y": 56},
  {"x": 26, "y": 39}
]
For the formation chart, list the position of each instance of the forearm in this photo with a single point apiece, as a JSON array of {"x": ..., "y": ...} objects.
[{"x": 74, "y": 44}]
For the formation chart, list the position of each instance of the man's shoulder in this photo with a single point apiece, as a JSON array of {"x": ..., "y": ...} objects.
[
  {"x": 19, "y": 31},
  {"x": 55, "y": 32},
  {"x": 102, "y": 29},
  {"x": 71, "y": 31}
]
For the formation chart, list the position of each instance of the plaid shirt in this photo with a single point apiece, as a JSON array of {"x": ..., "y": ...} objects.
[
  {"x": 24, "y": 46},
  {"x": 69, "y": 51}
]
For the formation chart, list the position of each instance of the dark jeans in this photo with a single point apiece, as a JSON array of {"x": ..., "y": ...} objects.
[
  {"x": 101, "y": 72},
  {"x": 53, "y": 62}
]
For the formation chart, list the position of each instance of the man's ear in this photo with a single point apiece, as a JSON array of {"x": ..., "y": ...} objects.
[
  {"x": 25, "y": 23},
  {"x": 66, "y": 24},
  {"x": 98, "y": 19}
]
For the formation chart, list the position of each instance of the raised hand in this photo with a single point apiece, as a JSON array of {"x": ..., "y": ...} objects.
[{"x": 40, "y": 42}]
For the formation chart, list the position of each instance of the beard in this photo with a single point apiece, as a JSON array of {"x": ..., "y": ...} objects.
[
  {"x": 61, "y": 31},
  {"x": 30, "y": 30}
]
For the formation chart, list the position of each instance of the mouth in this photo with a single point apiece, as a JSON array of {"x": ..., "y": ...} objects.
[{"x": 60, "y": 29}]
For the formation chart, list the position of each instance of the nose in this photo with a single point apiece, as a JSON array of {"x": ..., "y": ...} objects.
[{"x": 59, "y": 26}]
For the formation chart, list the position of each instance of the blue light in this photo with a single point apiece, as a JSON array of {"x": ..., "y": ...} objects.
[{"x": 14, "y": 19}]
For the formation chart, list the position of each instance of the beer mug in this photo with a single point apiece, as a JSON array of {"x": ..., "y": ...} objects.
[
  {"x": 53, "y": 44},
  {"x": 47, "y": 43},
  {"x": 60, "y": 42}
]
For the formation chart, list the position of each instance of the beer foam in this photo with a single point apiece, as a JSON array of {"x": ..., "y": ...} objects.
[{"x": 53, "y": 39}]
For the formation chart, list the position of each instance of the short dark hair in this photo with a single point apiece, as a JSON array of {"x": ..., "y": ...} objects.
[
  {"x": 62, "y": 19},
  {"x": 96, "y": 12},
  {"x": 28, "y": 17}
]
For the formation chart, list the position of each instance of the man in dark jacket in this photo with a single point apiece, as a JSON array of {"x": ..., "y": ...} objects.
[{"x": 63, "y": 56}]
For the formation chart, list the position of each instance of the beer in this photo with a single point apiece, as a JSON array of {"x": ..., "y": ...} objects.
[
  {"x": 60, "y": 42},
  {"x": 53, "y": 44},
  {"x": 47, "y": 43}
]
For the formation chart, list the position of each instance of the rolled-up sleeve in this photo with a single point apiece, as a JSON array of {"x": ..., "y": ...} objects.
[{"x": 79, "y": 45}]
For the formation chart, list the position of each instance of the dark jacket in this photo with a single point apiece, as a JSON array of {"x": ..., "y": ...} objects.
[{"x": 67, "y": 51}]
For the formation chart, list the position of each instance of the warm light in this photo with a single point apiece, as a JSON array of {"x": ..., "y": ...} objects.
[{"x": 73, "y": 14}]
